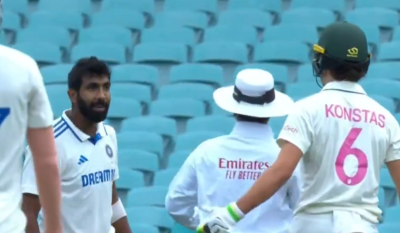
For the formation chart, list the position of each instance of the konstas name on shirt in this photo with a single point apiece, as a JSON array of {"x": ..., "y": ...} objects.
[
  {"x": 354, "y": 114},
  {"x": 98, "y": 177},
  {"x": 242, "y": 169}
]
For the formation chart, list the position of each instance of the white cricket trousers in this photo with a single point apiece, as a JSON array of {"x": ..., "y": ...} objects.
[{"x": 334, "y": 222}]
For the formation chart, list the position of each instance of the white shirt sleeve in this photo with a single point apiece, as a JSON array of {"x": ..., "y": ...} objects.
[
  {"x": 181, "y": 198},
  {"x": 40, "y": 114},
  {"x": 28, "y": 181},
  {"x": 113, "y": 136},
  {"x": 294, "y": 189},
  {"x": 297, "y": 129},
  {"x": 393, "y": 152}
]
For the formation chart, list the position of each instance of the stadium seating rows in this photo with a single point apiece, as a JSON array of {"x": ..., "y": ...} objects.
[{"x": 168, "y": 57}]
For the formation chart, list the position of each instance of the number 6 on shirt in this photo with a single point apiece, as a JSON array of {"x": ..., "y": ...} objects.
[
  {"x": 4, "y": 112},
  {"x": 346, "y": 150}
]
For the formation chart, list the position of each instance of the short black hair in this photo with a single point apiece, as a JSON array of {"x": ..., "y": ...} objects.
[
  {"x": 245, "y": 118},
  {"x": 348, "y": 72},
  {"x": 84, "y": 67}
]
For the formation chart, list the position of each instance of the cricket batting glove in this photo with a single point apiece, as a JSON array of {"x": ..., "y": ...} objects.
[{"x": 222, "y": 221}]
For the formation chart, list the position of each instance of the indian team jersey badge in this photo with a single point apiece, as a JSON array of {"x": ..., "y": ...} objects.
[{"x": 109, "y": 151}]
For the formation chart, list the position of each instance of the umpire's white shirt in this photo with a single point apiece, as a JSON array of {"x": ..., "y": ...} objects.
[
  {"x": 88, "y": 167},
  {"x": 222, "y": 170}
]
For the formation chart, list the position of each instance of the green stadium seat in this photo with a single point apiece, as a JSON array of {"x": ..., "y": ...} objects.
[
  {"x": 216, "y": 110},
  {"x": 229, "y": 33},
  {"x": 390, "y": 4},
  {"x": 208, "y": 6},
  {"x": 129, "y": 179},
  {"x": 336, "y": 6},
  {"x": 309, "y": 16},
  {"x": 292, "y": 32},
  {"x": 3, "y": 38},
  {"x": 386, "y": 102},
  {"x": 202, "y": 73},
  {"x": 140, "y": 140},
  {"x": 56, "y": 74},
  {"x": 221, "y": 52},
  {"x": 384, "y": 70},
  {"x": 81, "y": 6},
  {"x": 276, "y": 124},
  {"x": 177, "y": 158},
  {"x": 58, "y": 97},
  {"x": 121, "y": 108},
  {"x": 303, "y": 89},
  {"x": 133, "y": 20},
  {"x": 385, "y": 87},
  {"x": 129, "y": 73},
  {"x": 160, "y": 53},
  {"x": 195, "y": 20},
  {"x": 374, "y": 16},
  {"x": 219, "y": 123},
  {"x": 372, "y": 32},
  {"x": 67, "y": 19},
  {"x": 196, "y": 91},
  {"x": 107, "y": 34},
  {"x": 133, "y": 91},
  {"x": 147, "y": 196},
  {"x": 143, "y": 228},
  {"x": 17, "y": 6},
  {"x": 274, "y": 6},
  {"x": 138, "y": 160},
  {"x": 112, "y": 53},
  {"x": 11, "y": 21},
  {"x": 45, "y": 34},
  {"x": 179, "y": 35},
  {"x": 305, "y": 73},
  {"x": 185, "y": 108},
  {"x": 164, "y": 177},
  {"x": 44, "y": 53},
  {"x": 281, "y": 51},
  {"x": 389, "y": 51},
  {"x": 177, "y": 228},
  {"x": 156, "y": 216},
  {"x": 245, "y": 17},
  {"x": 144, "y": 6},
  {"x": 388, "y": 227},
  {"x": 155, "y": 124},
  {"x": 190, "y": 140},
  {"x": 391, "y": 215}
]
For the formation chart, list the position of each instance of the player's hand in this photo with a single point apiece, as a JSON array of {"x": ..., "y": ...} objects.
[{"x": 222, "y": 221}]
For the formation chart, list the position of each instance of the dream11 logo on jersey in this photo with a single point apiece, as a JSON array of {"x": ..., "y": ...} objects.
[{"x": 242, "y": 169}]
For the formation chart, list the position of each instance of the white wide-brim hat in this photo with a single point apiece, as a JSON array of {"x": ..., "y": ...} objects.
[{"x": 254, "y": 95}]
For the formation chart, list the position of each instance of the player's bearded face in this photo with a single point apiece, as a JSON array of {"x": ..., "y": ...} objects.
[{"x": 95, "y": 111}]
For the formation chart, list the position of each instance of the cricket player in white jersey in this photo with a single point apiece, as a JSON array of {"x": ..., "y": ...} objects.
[
  {"x": 343, "y": 136},
  {"x": 87, "y": 155},
  {"x": 222, "y": 169},
  {"x": 25, "y": 110}
]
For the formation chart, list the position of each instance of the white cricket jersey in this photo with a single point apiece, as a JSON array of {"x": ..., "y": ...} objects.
[
  {"x": 345, "y": 137},
  {"x": 23, "y": 104},
  {"x": 88, "y": 167},
  {"x": 221, "y": 170}
]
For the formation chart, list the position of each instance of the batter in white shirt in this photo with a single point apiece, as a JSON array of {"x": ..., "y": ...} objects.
[
  {"x": 343, "y": 138},
  {"x": 87, "y": 155}
]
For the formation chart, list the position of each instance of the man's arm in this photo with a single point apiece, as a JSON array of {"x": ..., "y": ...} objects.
[
  {"x": 181, "y": 198},
  {"x": 294, "y": 140},
  {"x": 31, "y": 208},
  {"x": 119, "y": 219},
  {"x": 30, "y": 199},
  {"x": 41, "y": 141}
]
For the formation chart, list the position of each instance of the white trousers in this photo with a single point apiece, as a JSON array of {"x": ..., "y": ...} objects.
[{"x": 334, "y": 222}]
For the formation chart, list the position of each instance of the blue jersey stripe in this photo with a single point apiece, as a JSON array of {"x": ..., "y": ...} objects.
[
  {"x": 60, "y": 127},
  {"x": 57, "y": 123},
  {"x": 61, "y": 132}
]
